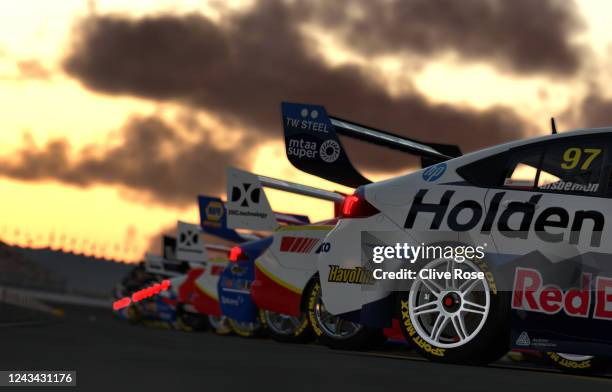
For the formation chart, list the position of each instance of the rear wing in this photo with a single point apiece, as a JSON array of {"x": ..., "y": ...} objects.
[
  {"x": 158, "y": 265},
  {"x": 189, "y": 244},
  {"x": 213, "y": 220},
  {"x": 248, "y": 206},
  {"x": 313, "y": 146},
  {"x": 169, "y": 247}
]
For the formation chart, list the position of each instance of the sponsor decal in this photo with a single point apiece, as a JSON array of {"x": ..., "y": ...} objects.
[
  {"x": 189, "y": 238},
  {"x": 237, "y": 284},
  {"x": 298, "y": 244},
  {"x": 245, "y": 195},
  {"x": 357, "y": 275},
  {"x": 302, "y": 148},
  {"x": 434, "y": 172},
  {"x": 551, "y": 217},
  {"x": 231, "y": 301},
  {"x": 568, "y": 363},
  {"x": 329, "y": 151},
  {"x": 523, "y": 340},
  {"x": 214, "y": 211},
  {"x": 307, "y": 122},
  {"x": 189, "y": 246},
  {"x": 570, "y": 186},
  {"x": 530, "y": 294},
  {"x": 416, "y": 339}
]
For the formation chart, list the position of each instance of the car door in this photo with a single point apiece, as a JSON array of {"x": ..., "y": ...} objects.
[{"x": 553, "y": 219}]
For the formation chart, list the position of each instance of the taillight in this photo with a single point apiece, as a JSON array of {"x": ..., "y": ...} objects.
[
  {"x": 356, "y": 206},
  {"x": 236, "y": 254}
]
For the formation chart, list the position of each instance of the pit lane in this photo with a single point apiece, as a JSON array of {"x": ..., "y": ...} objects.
[{"x": 111, "y": 354}]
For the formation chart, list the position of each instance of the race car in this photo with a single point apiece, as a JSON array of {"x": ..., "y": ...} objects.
[
  {"x": 264, "y": 287},
  {"x": 195, "y": 291},
  {"x": 193, "y": 269},
  {"x": 533, "y": 212}
]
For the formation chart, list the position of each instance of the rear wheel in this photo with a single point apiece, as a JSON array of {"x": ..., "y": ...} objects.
[
  {"x": 133, "y": 315},
  {"x": 188, "y": 321},
  {"x": 250, "y": 329},
  {"x": 285, "y": 328},
  {"x": 219, "y": 325},
  {"x": 335, "y": 332},
  {"x": 456, "y": 320},
  {"x": 578, "y": 364}
]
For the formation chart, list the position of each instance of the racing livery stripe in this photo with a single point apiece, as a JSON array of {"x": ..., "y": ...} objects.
[
  {"x": 300, "y": 228},
  {"x": 306, "y": 242},
  {"x": 286, "y": 243},
  {"x": 298, "y": 244},
  {"x": 277, "y": 280},
  {"x": 313, "y": 242},
  {"x": 211, "y": 294}
]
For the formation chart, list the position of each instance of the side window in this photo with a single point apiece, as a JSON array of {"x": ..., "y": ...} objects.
[
  {"x": 573, "y": 166},
  {"x": 522, "y": 169}
]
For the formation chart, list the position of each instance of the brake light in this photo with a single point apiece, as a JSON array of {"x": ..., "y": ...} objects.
[
  {"x": 356, "y": 206},
  {"x": 236, "y": 254}
]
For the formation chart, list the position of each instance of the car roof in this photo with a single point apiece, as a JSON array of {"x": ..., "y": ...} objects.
[{"x": 487, "y": 151}]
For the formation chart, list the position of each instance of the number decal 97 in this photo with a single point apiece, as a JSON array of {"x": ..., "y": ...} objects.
[{"x": 573, "y": 155}]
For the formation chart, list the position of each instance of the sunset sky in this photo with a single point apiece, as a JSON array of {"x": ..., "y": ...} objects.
[{"x": 116, "y": 114}]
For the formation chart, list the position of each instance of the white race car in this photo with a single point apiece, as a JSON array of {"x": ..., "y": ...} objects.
[
  {"x": 533, "y": 212},
  {"x": 285, "y": 263}
]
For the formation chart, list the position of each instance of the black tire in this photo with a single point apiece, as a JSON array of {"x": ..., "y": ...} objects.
[
  {"x": 568, "y": 363},
  {"x": 361, "y": 337},
  {"x": 219, "y": 325},
  {"x": 297, "y": 330},
  {"x": 190, "y": 322},
  {"x": 246, "y": 330},
  {"x": 133, "y": 315},
  {"x": 488, "y": 341}
]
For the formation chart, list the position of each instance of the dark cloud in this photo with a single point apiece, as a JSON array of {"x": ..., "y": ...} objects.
[
  {"x": 523, "y": 36},
  {"x": 594, "y": 110},
  {"x": 151, "y": 157},
  {"x": 242, "y": 68}
]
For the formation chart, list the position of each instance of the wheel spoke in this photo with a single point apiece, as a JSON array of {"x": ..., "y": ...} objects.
[
  {"x": 473, "y": 307},
  {"x": 459, "y": 325},
  {"x": 428, "y": 307},
  {"x": 433, "y": 287},
  {"x": 339, "y": 325},
  {"x": 450, "y": 283},
  {"x": 468, "y": 286},
  {"x": 327, "y": 317},
  {"x": 438, "y": 326}
]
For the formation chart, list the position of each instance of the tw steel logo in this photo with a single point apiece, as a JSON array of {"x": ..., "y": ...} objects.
[
  {"x": 551, "y": 217},
  {"x": 529, "y": 293}
]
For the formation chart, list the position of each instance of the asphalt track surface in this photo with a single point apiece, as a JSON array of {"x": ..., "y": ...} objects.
[{"x": 110, "y": 355}]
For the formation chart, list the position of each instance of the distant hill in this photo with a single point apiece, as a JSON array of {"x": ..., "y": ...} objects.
[{"x": 62, "y": 272}]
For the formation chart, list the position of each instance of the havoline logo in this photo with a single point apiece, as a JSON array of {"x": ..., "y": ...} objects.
[
  {"x": 551, "y": 217},
  {"x": 357, "y": 275}
]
